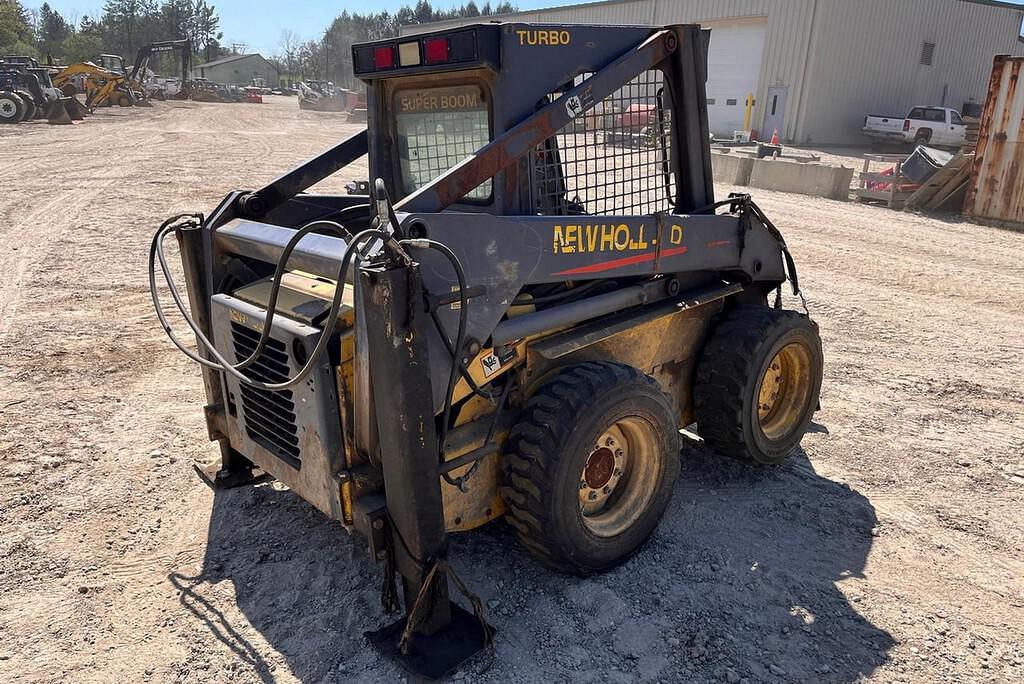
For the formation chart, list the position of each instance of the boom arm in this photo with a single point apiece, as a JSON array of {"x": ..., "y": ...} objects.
[
  {"x": 90, "y": 70},
  {"x": 183, "y": 46}
]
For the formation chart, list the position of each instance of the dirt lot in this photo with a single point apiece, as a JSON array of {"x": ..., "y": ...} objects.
[{"x": 891, "y": 549}]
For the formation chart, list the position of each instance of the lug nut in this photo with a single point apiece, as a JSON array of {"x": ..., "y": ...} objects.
[
  {"x": 592, "y": 495},
  {"x": 607, "y": 489}
]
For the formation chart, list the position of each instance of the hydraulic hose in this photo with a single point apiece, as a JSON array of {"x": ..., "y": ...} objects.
[
  {"x": 460, "y": 339},
  {"x": 219, "y": 362},
  {"x": 352, "y": 251}
]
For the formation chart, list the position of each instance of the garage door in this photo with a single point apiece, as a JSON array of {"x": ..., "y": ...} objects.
[{"x": 734, "y": 67}]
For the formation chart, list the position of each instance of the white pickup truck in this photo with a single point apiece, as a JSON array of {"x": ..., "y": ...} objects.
[{"x": 938, "y": 126}]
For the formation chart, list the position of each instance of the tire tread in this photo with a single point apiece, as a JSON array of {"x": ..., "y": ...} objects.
[{"x": 533, "y": 452}]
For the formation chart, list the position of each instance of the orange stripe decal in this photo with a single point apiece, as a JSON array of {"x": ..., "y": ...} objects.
[{"x": 619, "y": 263}]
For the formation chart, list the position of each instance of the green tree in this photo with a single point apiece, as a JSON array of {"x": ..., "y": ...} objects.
[
  {"x": 53, "y": 30},
  {"x": 81, "y": 47},
  {"x": 15, "y": 29},
  {"x": 206, "y": 36},
  {"x": 423, "y": 12},
  {"x": 127, "y": 24}
]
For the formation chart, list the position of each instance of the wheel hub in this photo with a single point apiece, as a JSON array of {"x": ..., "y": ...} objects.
[
  {"x": 600, "y": 467},
  {"x": 602, "y": 472}
]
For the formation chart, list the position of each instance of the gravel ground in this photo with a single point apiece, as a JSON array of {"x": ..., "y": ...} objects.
[{"x": 889, "y": 549}]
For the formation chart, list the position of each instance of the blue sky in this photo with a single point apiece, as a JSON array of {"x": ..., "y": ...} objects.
[{"x": 258, "y": 23}]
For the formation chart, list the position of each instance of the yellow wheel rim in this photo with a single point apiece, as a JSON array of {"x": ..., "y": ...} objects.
[
  {"x": 785, "y": 391},
  {"x": 618, "y": 479}
]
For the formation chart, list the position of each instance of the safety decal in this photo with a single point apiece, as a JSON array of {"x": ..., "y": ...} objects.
[{"x": 490, "y": 364}]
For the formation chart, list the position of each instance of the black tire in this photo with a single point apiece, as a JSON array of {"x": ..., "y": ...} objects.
[
  {"x": 12, "y": 107},
  {"x": 923, "y": 137},
  {"x": 552, "y": 454},
  {"x": 746, "y": 344},
  {"x": 30, "y": 106}
]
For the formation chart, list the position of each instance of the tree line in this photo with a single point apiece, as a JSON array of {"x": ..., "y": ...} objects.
[
  {"x": 329, "y": 57},
  {"x": 122, "y": 28}
]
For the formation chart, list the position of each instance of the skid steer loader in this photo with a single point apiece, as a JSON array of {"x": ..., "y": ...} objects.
[
  {"x": 515, "y": 324},
  {"x": 22, "y": 76}
]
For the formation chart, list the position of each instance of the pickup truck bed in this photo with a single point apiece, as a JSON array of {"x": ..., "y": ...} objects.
[{"x": 922, "y": 125}]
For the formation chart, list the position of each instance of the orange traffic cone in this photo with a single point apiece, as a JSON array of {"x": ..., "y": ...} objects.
[{"x": 775, "y": 137}]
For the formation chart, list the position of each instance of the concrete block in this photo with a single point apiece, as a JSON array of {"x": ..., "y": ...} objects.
[
  {"x": 805, "y": 179},
  {"x": 731, "y": 169}
]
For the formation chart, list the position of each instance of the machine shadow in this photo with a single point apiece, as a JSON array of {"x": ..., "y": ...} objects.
[{"x": 739, "y": 581}]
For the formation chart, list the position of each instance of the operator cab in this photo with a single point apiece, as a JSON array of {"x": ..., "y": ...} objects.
[
  {"x": 434, "y": 100},
  {"x": 112, "y": 63}
]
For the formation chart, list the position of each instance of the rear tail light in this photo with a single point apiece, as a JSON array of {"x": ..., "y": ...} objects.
[
  {"x": 384, "y": 57},
  {"x": 457, "y": 48},
  {"x": 435, "y": 50},
  {"x": 906, "y": 124}
]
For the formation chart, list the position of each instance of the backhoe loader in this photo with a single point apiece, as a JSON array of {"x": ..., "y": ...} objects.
[
  {"x": 102, "y": 87},
  {"x": 514, "y": 324}
]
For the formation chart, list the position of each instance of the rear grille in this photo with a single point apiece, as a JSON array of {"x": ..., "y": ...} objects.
[{"x": 269, "y": 416}]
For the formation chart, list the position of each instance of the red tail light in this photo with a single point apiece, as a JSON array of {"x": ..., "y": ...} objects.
[
  {"x": 435, "y": 50},
  {"x": 384, "y": 57},
  {"x": 906, "y": 124}
]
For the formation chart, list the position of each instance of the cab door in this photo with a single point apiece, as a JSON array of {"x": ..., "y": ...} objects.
[{"x": 957, "y": 128}]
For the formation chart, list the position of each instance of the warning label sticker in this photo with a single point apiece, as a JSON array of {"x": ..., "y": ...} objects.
[{"x": 490, "y": 364}]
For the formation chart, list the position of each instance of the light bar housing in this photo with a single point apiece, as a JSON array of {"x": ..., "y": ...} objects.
[{"x": 440, "y": 51}]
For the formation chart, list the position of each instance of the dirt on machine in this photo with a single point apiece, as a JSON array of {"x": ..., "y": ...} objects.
[{"x": 538, "y": 293}]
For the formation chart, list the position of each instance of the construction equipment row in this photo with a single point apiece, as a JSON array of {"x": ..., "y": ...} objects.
[{"x": 30, "y": 90}]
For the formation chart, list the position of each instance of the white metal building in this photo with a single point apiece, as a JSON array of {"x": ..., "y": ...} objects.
[
  {"x": 817, "y": 67},
  {"x": 238, "y": 70}
]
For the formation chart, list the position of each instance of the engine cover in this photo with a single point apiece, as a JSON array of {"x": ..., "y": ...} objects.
[{"x": 293, "y": 434}]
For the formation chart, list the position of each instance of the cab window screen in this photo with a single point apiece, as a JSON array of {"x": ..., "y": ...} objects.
[{"x": 438, "y": 128}]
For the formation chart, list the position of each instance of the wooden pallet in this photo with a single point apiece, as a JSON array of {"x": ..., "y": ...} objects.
[
  {"x": 940, "y": 189},
  {"x": 971, "y": 137},
  {"x": 896, "y": 193}
]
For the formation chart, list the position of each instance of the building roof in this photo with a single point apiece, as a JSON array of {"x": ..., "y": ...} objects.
[{"x": 229, "y": 58}]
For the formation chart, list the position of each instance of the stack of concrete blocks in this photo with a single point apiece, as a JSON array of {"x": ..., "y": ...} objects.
[{"x": 783, "y": 176}]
